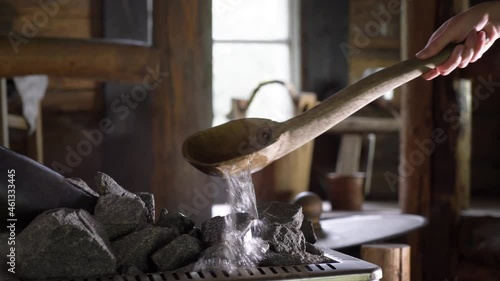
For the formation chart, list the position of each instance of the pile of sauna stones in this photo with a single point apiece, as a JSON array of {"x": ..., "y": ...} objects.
[{"x": 122, "y": 237}]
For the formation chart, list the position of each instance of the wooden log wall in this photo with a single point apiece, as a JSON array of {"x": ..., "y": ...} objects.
[{"x": 70, "y": 104}]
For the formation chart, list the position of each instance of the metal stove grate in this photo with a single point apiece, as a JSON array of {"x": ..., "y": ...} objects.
[{"x": 344, "y": 268}]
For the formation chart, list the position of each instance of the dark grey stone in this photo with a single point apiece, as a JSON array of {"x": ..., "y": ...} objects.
[
  {"x": 163, "y": 212},
  {"x": 283, "y": 259},
  {"x": 213, "y": 230},
  {"x": 177, "y": 220},
  {"x": 307, "y": 229},
  {"x": 281, "y": 213},
  {"x": 64, "y": 243},
  {"x": 120, "y": 214},
  {"x": 196, "y": 233},
  {"x": 184, "y": 250},
  {"x": 136, "y": 248},
  {"x": 283, "y": 239},
  {"x": 218, "y": 256},
  {"x": 311, "y": 249},
  {"x": 82, "y": 185},
  {"x": 149, "y": 202},
  {"x": 107, "y": 185},
  {"x": 129, "y": 270}
]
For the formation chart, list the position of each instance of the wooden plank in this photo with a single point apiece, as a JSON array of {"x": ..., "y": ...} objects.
[
  {"x": 94, "y": 59},
  {"x": 182, "y": 102},
  {"x": 17, "y": 122},
  {"x": 67, "y": 9},
  {"x": 67, "y": 101},
  {"x": 63, "y": 83},
  {"x": 373, "y": 25},
  {"x": 416, "y": 114},
  {"x": 349, "y": 154},
  {"x": 359, "y": 63},
  {"x": 75, "y": 28}
]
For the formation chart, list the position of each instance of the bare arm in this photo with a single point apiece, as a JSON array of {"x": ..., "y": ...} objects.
[{"x": 477, "y": 27}]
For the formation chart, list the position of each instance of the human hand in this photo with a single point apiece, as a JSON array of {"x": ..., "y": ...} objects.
[{"x": 477, "y": 28}]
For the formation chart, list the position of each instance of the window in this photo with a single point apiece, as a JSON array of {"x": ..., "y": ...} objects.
[{"x": 254, "y": 41}]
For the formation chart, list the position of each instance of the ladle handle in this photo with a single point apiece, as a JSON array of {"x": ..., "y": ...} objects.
[{"x": 339, "y": 106}]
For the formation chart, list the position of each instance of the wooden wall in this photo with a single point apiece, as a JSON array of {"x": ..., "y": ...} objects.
[{"x": 70, "y": 105}]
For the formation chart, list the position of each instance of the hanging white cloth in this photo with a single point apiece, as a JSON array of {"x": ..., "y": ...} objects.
[{"x": 32, "y": 89}]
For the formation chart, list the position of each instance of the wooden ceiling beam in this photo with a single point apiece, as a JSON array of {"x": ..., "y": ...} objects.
[{"x": 94, "y": 59}]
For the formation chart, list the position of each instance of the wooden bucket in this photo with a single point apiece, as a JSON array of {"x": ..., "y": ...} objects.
[{"x": 288, "y": 176}]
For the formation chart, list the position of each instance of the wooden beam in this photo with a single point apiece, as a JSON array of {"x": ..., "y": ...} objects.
[
  {"x": 96, "y": 59},
  {"x": 182, "y": 102},
  {"x": 435, "y": 149}
]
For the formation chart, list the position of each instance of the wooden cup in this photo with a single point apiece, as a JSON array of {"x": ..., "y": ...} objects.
[{"x": 345, "y": 191}]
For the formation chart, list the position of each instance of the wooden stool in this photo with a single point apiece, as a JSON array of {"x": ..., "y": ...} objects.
[{"x": 394, "y": 259}]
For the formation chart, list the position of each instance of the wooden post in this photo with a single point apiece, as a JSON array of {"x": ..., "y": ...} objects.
[
  {"x": 435, "y": 148},
  {"x": 182, "y": 102},
  {"x": 35, "y": 141},
  {"x": 416, "y": 117},
  {"x": 394, "y": 259}
]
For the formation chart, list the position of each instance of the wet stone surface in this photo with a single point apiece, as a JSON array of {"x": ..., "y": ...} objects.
[
  {"x": 177, "y": 220},
  {"x": 184, "y": 250}
]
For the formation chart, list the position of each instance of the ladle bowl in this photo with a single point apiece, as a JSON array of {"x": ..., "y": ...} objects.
[{"x": 254, "y": 143}]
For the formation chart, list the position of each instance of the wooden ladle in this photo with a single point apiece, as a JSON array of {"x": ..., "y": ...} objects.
[{"x": 253, "y": 143}]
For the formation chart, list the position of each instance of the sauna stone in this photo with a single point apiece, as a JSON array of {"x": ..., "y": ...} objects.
[
  {"x": 129, "y": 270},
  {"x": 64, "y": 243},
  {"x": 120, "y": 214},
  {"x": 136, "y": 248},
  {"x": 107, "y": 185},
  {"x": 282, "y": 214},
  {"x": 177, "y": 220},
  {"x": 196, "y": 233},
  {"x": 184, "y": 250},
  {"x": 149, "y": 202},
  {"x": 312, "y": 249},
  {"x": 120, "y": 211},
  {"x": 308, "y": 229},
  {"x": 283, "y": 239},
  {"x": 213, "y": 229},
  {"x": 217, "y": 257},
  {"x": 81, "y": 184}
]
